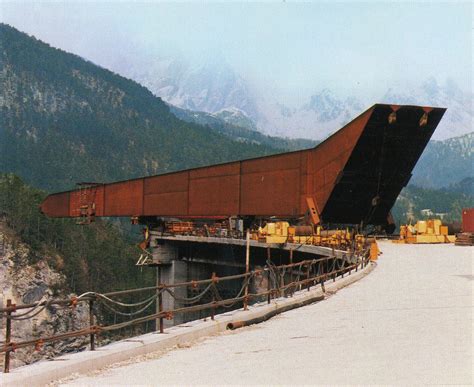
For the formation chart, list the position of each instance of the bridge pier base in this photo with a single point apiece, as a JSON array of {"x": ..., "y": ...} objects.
[
  {"x": 170, "y": 270},
  {"x": 173, "y": 273}
]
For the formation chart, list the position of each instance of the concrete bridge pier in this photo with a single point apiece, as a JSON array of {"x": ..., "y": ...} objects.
[
  {"x": 173, "y": 273},
  {"x": 169, "y": 270},
  {"x": 184, "y": 258},
  {"x": 175, "y": 264}
]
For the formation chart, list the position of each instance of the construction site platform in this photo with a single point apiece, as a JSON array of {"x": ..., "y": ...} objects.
[{"x": 304, "y": 248}]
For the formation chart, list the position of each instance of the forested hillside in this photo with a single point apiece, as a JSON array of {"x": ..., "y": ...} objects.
[
  {"x": 243, "y": 132},
  {"x": 446, "y": 201},
  {"x": 94, "y": 257},
  {"x": 445, "y": 162},
  {"x": 64, "y": 119}
]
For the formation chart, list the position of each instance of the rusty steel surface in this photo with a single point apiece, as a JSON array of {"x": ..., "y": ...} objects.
[
  {"x": 468, "y": 220},
  {"x": 355, "y": 175}
]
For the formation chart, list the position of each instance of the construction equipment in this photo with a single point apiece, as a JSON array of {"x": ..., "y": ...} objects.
[
  {"x": 425, "y": 231},
  {"x": 353, "y": 177},
  {"x": 468, "y": 220},
  {"x": 273, "y": 233},
  {"x": 282, "y": 232},
  {"x": 466, "y": 237},
  {"x": 374, "y": 250}
]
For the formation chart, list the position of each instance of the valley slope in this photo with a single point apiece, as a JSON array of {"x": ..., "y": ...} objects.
[{"x": 64, "y": 119}]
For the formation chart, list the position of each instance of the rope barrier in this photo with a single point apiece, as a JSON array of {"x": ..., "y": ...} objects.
[
  {"x": 27, "y": 315},
  {"x": 96, "y": 329},
  {"x": 131, "y": 313},
  {"x": 104, "y": 297},
  {"x": 276, "y": 274},
  {"x": 190, "y": 300},
  {"x": 88, "y": 296}
]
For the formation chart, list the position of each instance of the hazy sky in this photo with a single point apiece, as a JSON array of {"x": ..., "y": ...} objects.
[{"x": 288, "y": 46}]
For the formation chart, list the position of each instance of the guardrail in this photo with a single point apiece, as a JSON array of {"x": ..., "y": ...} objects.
[{"x": 282, "y": 281}]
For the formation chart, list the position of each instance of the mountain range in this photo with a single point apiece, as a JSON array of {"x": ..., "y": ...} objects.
[
  {"x": 206, "y": 84},
  {"x": 64, "y": 120},
  {"x": 444, "y": 163},
  {"x": 238, "y": 127},
  {"x": 212, "y": 86}
]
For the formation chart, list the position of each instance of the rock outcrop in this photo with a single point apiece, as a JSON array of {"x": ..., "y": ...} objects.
[{"x": 26, "y": 277}]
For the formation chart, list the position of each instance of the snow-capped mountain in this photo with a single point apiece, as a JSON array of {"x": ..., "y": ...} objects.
[
  {"x": 236, "y": 117},
  {"x": 206, "y": 84},
  {"x": 323, "y": 114},
  {"x": 445, "y": 162},
  {"x": 209, "y": 84},
  {"x": 457, "y": 120}
]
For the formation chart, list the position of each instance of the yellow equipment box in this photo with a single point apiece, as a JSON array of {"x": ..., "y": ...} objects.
[{"x": 425, "y": 231}]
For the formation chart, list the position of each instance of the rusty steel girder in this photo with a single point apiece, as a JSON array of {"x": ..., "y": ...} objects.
[{"x": 353, "y": 176}]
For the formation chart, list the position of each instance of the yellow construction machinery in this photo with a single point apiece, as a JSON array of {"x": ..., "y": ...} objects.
[
  {"x": 425, "y": 231},
  {"x": 282, "y": 232}
]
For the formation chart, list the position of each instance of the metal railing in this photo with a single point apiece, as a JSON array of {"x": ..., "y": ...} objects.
[{"x": 282, "y": 281}]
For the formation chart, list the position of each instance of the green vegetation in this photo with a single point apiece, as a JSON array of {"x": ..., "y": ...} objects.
[
  {"x": 445, "y": 162},
  {"x": 241, "y": 133},
  {"x": 95, "y": 257},
  {"x": 448, "y": 201},
  {"x": 64, "y": 120}
]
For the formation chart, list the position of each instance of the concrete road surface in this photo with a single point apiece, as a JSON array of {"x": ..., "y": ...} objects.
[{"x": 408, "y": 322}]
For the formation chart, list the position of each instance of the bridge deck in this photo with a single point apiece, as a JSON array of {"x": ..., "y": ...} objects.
[
  {"x": 408, "y": 322},
  {"x": 311, "y": 249}
]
